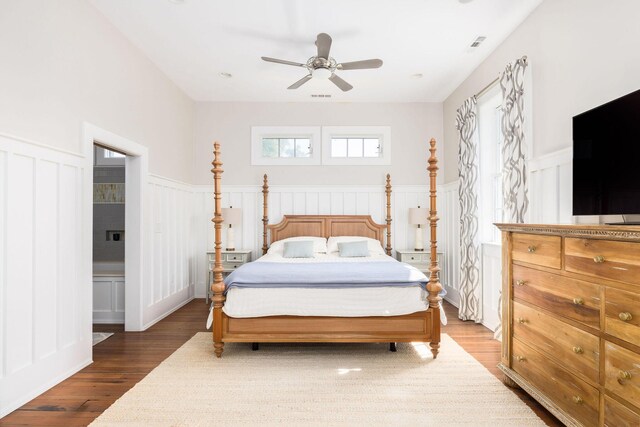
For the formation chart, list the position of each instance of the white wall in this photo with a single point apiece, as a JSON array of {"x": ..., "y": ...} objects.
[
  {"x": 412, "y": 126},
  {"x": 582, "y": 53},
  {"x": 64, "y": 64}
]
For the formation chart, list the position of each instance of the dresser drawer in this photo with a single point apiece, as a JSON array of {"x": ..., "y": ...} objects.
[
  {"x": 536, "y": 249},
  {"x": 622, "y": 372},
  {"x": 229, "y": 266},
  {"x": 573, "y": 395},
  {"x": 234, "y": 258},
  {"x": 622, "y": 315},
  {"x": 618, "y": 415},
  {"x": 575, "y": 299},
  {"x": 578, "y": 350},
  {"x": 601, "y": 258}
]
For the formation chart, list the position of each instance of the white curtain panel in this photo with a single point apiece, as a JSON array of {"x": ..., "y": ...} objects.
[
  {"x": 470, "y": 287},
  {"x": 514, "y": 171}
]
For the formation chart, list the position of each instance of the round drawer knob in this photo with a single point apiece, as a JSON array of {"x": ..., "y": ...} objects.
[
  {"x": 599, "y": 259},
  {"x": 578, "y": 350},
  {"x": 531, "y": 249},
  {"x": 522, "y": 320},
  {"x": 520, "y": 282},
  {"x": 578, "y": 301},
  {"x": 625, "y": 316},
  {"x": 578, "y": 400},
  {"x": 521, "y": 358},
  {"x": 624, "y": 375}
]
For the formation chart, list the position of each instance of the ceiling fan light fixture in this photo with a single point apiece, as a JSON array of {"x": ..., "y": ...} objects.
[{"x": 321, "y": 73}]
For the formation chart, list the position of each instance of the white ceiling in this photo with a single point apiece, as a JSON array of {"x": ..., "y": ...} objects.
[{"x": 195, "y": 41}]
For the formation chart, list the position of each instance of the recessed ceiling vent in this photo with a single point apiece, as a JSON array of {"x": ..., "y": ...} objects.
[
  {"x": 478, "y": 41},
  {"x": 321, "y": 95}
]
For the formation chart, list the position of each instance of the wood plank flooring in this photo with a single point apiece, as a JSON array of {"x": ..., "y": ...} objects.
[{"x": 125, "y": 358}]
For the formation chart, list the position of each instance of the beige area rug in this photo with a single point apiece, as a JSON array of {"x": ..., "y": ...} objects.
[
  {"x": 319, "y": 385},
  {"x": 98, "y": 337}
]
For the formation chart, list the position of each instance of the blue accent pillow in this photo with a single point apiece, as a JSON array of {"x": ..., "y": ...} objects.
[
  {"x": 353, "y": 249},
  {"x": 298, "y": 249}
]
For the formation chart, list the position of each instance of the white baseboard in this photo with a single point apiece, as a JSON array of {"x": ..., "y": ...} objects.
[{"x": 159, "y": 318}]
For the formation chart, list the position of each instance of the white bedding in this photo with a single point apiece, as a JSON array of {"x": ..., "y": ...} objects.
[{"x": 342, "y": 302}]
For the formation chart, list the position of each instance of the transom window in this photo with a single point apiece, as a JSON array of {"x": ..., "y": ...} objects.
[
  {"x": 355, "y": 147},
  {"x": 286, "y": 147}
]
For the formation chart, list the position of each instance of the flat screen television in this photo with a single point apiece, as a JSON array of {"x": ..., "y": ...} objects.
[{"x": 606, "y": 158}]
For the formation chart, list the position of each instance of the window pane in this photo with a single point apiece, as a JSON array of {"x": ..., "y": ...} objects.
[
  {"x": 286, "y": 147},
  {"x": 355, "y": 147},
  {"x": 338, "y": 147},
  {"x": 371, "y": 147},
  {"x": 112, "y": 154},
  {"x": 303, "y": 147},
  {"x": 269, "y": 147}
]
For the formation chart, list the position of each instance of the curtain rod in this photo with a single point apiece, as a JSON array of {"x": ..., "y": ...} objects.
[{"x": 487, "y": 87}]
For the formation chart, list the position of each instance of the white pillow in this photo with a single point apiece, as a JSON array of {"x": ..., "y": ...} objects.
[
  {"x": 319, "y": 244},
  {"x": 375, "y": 248}
]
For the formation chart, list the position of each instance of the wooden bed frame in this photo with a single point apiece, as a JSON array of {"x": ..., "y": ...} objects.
[{"x": 422, "y": 326}]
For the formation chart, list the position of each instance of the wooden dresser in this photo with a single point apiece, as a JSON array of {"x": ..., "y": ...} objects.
[{"x": 571, "y": 320}]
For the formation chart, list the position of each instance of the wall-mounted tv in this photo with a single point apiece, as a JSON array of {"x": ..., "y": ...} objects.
[{"x": 606, "y": 158}]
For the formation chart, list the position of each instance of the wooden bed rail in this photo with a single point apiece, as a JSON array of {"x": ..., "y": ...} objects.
[
  {"x": 434, "y": 287},
  {"x": 218, "y": 284}
]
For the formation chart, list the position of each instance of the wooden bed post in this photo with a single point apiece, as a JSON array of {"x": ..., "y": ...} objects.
[
  {"x": 434, "y": 287},
  {"x": 265, "y": 213},
  {"x": 218, "y": 284},
  {"x": 388, "y": 191}
]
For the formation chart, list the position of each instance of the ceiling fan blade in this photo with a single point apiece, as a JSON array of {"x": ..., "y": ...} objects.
[
  {"x": 282, "y": 61},
  {"x": 323, "y": 42},
  {"x": 300, "y": 82},
  {"x": 361, "y": 65},
  {"x": 340, "y": 83}
]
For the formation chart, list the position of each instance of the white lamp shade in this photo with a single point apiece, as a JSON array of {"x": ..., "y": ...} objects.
[
  {"x": 418, "y": 216},
  {"x": 232, "y": 216}
]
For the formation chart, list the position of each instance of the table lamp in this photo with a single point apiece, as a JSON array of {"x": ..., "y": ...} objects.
[
  {"x": 231, "y": 216},
  {"x": 418, "y": 216}
]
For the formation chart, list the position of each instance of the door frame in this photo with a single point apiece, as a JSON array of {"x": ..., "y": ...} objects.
[{"x": 136, "y": 172}]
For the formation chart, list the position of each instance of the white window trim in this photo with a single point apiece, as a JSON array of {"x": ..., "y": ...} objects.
[
  {"x": 260, "y": 132},
  {"x": 381, "y": 132}
]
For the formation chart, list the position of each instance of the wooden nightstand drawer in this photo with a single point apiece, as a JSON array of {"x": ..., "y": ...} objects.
[
  {"x": 571, "y": 298},
  {"x": 536, "y": 249},
  {"x": 234, "y": 257},
  {"x": 576, "y": 397},
  {"x": 600, "y": 258},
  {"x": 617, "y": 415},
  {"x": 578, "y": 350},
  {"x": 622, "y": 315},
  {"x": 622, "y": 372},
  {"x": 412, "y": 258}
]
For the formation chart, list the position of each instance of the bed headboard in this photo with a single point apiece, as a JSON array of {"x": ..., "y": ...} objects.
[{"x": 326, "y": 225}]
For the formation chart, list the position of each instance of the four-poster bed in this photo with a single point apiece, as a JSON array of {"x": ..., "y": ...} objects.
[{"x": 421, "y": 326}]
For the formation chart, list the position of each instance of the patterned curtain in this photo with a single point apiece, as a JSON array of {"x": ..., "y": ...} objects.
[
  {"x": 514, "y": 171},
  {"x": 470, "y": 290}
]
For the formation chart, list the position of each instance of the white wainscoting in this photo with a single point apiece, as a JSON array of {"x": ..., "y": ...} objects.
[
  {"x": 449, "y": 236},
  {"x": 550, "y": 188},
  {"x": 170, "y": 267},
  {"x": 45, "y": 286},
  {"x": 108, "y": 299},
  {"x": 304, "y": 200}
]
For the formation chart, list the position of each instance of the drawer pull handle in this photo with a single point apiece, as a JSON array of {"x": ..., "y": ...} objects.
[
  {"x": 578, "y": 350},
  {"x": 599, "y": 259},
  {"x": 578, "y": 301},
  {"x": 578, "y": 400},
  {"x": 624, "y": 375},
  {"x": 521, "y": 358},
  {"x": 520, "y": 282},
  {"x": 625, "y": 316},
  {"x": 522, "y": 320},
  {"x": 531, "y": 249}
]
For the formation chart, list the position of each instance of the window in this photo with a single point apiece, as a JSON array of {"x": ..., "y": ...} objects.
[
  {"x": 356, "y": 145},
  {"x": 104, "y": 157},
  {"x": 108, "y": 154},
  {"x": 490, "y": 200},
  {"x": 285, "y": 145}
]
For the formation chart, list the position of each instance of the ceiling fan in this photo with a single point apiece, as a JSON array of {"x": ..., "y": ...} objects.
[{"x": 323, "y": 66}]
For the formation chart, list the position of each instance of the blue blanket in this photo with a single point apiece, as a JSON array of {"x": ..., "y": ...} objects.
[{"x": 325, "y": 275}]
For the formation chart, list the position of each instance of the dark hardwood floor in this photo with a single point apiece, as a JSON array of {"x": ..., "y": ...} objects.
[{"x": 125, "y": 358}]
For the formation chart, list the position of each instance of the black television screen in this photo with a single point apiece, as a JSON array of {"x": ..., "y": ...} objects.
[{"x": 606, "y": 158}]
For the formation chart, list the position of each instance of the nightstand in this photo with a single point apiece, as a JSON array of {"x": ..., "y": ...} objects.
[
  {"x": 230, "y": 261},
  {"x": 420, "y": 259}
]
